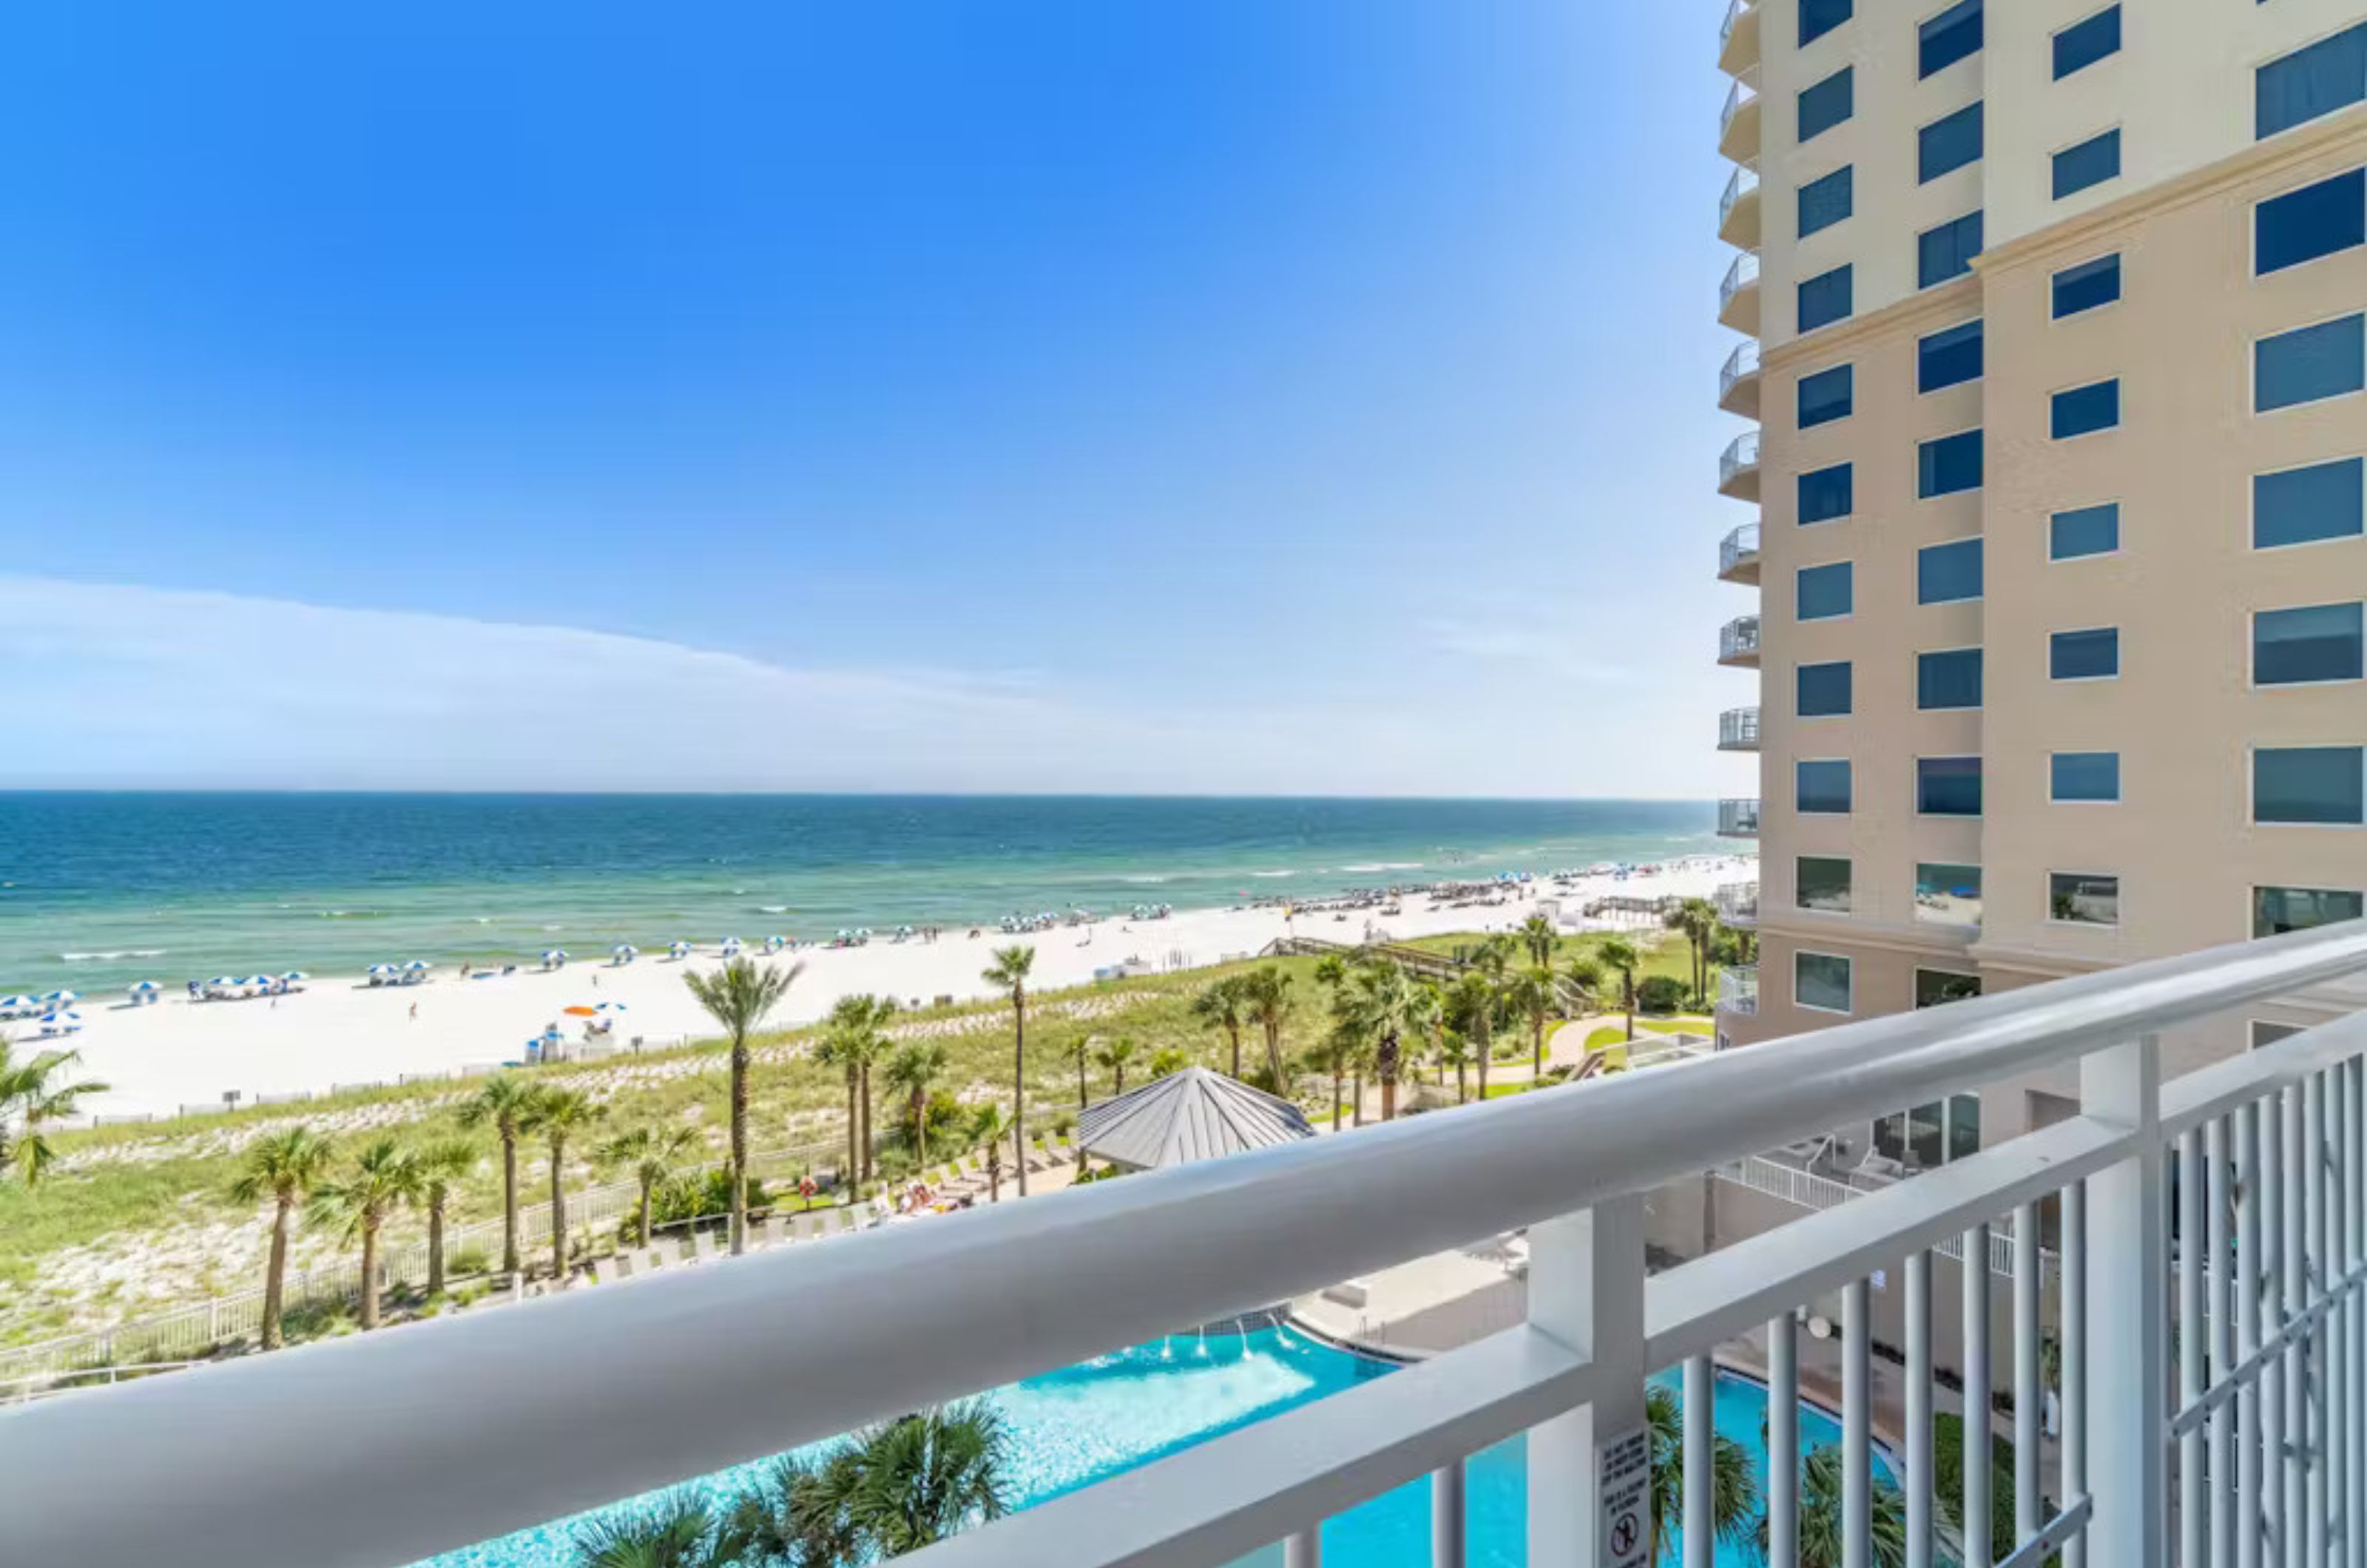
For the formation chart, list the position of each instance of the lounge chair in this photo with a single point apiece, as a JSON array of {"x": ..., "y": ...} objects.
[{"x": 1879, "y": 1169}]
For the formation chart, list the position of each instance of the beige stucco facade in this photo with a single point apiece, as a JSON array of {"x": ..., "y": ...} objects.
[{"x": 2183, "y": 713}]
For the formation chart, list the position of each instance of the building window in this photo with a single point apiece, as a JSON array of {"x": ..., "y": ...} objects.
[
  {"x": 1821, "y": 788},
  {"x": 2308, "y": 785},
  {"x": 1824, "y": 593},
  {"x": 1948, "y": 465},
  {"x": 1825, "y": 395},
  {"x": 2083, "y": 898},
  {"x": 2086, "y": 531},
  {"x": 1950, "y": 679},
  {"x": 1938, "y": 987},
  {"x": 1820, "y": 982},
  {"x": 2298, "y": 506},
  {"x": 1822, "y": 691},
  {"x": 1948, "y": 786},
  {"x": 2091, "y": 163},
  {"x": 1947, "y": 251},
  {"x": 1948, "y": 143},
  {"x": 2082, "y": 44},
  {"x": 1827, "y": 104},
  {"x": 2309, "y": 364},
  {"x": 2087, "y": 286},
  {"x": 1822, "y": 883},
  {"x": 2276, "y": 910},
  {"x": 2317, "y": 79},
  {"x": 1947, "y": 895},
  {"x": 1945, "y": 574},
  {"x": 2316, "y": 220},
  {"x": 1826, "y": 201},
  {"x": 1930, "y": 1135},
  {"x": 2083, "y": 410},
  {"x": 1826, "y": 493},
  {"x": 1819, "y": 17},
  {"x": 2093, "y": 654},
  {"x": 1948, "y": 358},
  {"x": 1824, "y": 298},
  {"x": 2084, "y": 777},
  {"x": 2307, "y": 644},
  {"x": 1953, "y": 35}
]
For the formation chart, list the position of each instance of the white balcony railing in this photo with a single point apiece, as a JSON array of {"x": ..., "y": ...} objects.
[
  {"x": 1737, "y": 729},
  {"x": 1738, "y": 903},
  {"x": 1738, "y": 641},
  {"x": 1738, "y": 818},
  {"x": 381, "y": 1448},
  {"x": 1738, "y": 989}
]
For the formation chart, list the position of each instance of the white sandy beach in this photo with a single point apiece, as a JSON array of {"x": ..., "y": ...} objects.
[{"x": 338, "y": 1031}]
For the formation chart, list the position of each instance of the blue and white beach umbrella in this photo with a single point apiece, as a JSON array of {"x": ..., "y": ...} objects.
[
  {"x": 416, "y": 964},
  {"x": 625, "y": 949},
  {"x": 137, "y": 987},
  {"x": 60, "y": 1017},
  {"x": 223, "y": 980},
  {"x": 60, "y": 999},
  {"x": 381, "y": 969},
  {"x": 610, "y": 1006},
  {"x": 294, "y": 975},
  {"x": 17, "y": 1004}
]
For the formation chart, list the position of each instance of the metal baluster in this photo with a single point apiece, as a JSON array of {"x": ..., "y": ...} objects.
[
  {"x": 2314, "y": 1281},
  {"x": 1783, "y": 1448},
  {"x": 1304, "y": 1550},
  {"x": 2026, "y": 1382},
  {"x": 2250, "y": 1398},
  {"x": 1857, "y": 1428},
  {"x": 2293, "y": 1258},
  {"x": 2193, "y": 1514},
  {"x": 2075, "y": 1361},
  {"x": 1701, "y": 1434},
  {"x": 1447, "y": 1510},
  {"x": 1973, "y": 1269},
  {"x": 1918, "y": 1413},
  {"x": 2220, "y": 1310},
  {"x": 2334, "y": 1360},
  {"x": 2354, "y": 1310}
]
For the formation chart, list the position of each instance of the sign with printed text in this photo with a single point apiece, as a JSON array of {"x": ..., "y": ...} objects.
[{"x": 1624, "y": 1491}]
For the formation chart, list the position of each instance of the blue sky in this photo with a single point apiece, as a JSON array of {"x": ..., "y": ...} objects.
[{"x": 1224, "y": 395}]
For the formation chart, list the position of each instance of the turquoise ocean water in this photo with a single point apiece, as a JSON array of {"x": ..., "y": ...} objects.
[{"x": 100, "y": 889}]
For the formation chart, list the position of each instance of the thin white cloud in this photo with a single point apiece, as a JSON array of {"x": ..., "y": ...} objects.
[{"x": 1562, "y": 654}]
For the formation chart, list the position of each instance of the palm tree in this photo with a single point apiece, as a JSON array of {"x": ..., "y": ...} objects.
[
  {"x": 1332, "y": 973},
  {"x": 1343, "y": 1046},
  {"x": 1493, "y": 956},
  {"x": 284, "y": 1168},
  {"x": 990, "y": 1127},
  {"x": 1386, "y": 1006},
  {"x": 558, "y": 1114},
  {"x": 895, "y": 1488},
  {"x": 1619, "y": 954},
  {"x": 1224, "y": 1004},
  {"x": 1267, "y": 997},
  {"x": 1008, "y": 974},
  {"x": 1471, "y": 1003},
  {"x": 914, "y": 1071},
  {"x": 864, "y": 1019},
  {"x": 680, "y": 1530},
  {"x": 441, "y": 1165},
  {"x": 29, "y": 1096},
  {"x": 503, "y": 1102},
  {"x": 1082, "y": 1053},
  {"x": 1539, "y": 939},
  {"x": 1734, "y": 1485},
  {"x": 383, "y": 1179},
  {"x": 1532, "y": 993},
  {"x": 1820, "y": 1515},
  {"x": 1453, "y": 1051},
  {"x": 1696, "y": 920},
  {"x": 738, "y": 996},
  {"x": 1113, "y": 1059},
  {"x": 1428, "y": 1019},
  {"x": 1167, "y": 1061},
  {"x": 653, "y": 1154}
]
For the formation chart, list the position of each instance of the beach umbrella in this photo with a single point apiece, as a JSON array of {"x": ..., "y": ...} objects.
[
  {"x": 221, "y": 980},
  {"x": 54, "y": 1018},
  {"x": 138, "y": 987},
  {"x": 60, "y": 999},
  {"x": 611, "y": 1007},
  {"x": 625, "y": 950},
  {"x": 14, "y": 1004},
  {"x": 295, "y": 975},
  {"x": 416, "y": 964}
]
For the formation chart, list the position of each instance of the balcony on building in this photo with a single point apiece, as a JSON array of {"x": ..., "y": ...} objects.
[
  {"x": 1738, "y": 556},
  {"x": 1738, "y": 123},
  {"x": 1737, "y": 210},
  {"x": 1738, "y": 295},
  {"x": 1738, "y": 903},
  {"x": 1738, "y": 381},
  {"x": 1737, "y": 38},
  {"x": 1737, "y": 643},
  {"x": 1738, "y": 818},
  {"x": 1737, "y": 729},
  {"x": 1738, "y": 467},
  {"x": 2176, "y": 1358}
]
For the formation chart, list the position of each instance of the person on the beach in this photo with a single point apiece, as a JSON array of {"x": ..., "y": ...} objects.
[{"x": 414, "y": 1013}]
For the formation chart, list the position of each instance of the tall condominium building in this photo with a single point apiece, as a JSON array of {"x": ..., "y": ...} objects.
[{"x": 2056, "y": 353}]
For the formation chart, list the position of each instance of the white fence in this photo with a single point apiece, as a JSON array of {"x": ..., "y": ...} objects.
[{"x": 2253, "y": 1416}]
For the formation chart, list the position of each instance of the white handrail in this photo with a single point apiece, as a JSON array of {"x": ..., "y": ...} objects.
[{"x": 389, "y": 1446}]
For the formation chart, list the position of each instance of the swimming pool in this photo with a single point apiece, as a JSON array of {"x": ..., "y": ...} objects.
[{"x": 1087, "y": 1422}]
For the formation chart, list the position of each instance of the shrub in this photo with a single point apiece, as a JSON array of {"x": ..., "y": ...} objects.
[
  {"x": 463, "y": 1260},
  {"x": 1948, "y": 1478},
  {"x": 1660, "y": 993},
  {"x": 694, "y": 1198}
]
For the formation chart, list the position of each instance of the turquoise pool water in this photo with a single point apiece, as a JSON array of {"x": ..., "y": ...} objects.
[{"x": 1087, "y": 1422}]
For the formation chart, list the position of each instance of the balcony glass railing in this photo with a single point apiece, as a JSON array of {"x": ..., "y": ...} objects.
[
  {"x": 1740, "y": 457},
  {"x": 1738, "y": 989},
  {"x": 1744, "y": 183},
  {"x": 1739, "y": 550},
  {"x": 2135, "y": 1444},
  {"x": 1737, "y": 729},
  {"x": 1738, "y": 903},
  {"x": 1738, "y": 818},
  {"x": 1738, "y": 639},
  {"x": 1742, "y": 274},
  {"x": 1740, "y": 365},
  {"x": 1741, "y": 96}
]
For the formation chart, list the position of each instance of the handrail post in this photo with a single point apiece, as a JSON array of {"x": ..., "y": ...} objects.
[
  {"x": 1586, "y": 1290},
  {"x": 2128, "y": 1369}
]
